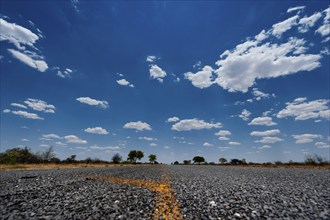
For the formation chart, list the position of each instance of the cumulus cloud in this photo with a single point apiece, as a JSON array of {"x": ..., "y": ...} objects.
[
  {"x": 18, "y": 105},
  {"x": 22, "y": 37},
  {"x": 240, "y": 68},
  {"x": 138, "y": 125},
  {"x": 96, "y": 130},
  {"x": 297, "y": 8},
  {"x": 266, "y": 55},
  {"x": 206, "y": 144},
  {"x": 94, "y": 102},
  {"x": 172, "y": 119},
  {"x": 301, "y": 109},
  {"x": 148, "y": 138},
  {"x": 269, "y": 140},
  {"x": 73, "y": 139},
  {"x": 265, "y": 147},
  {"x": 40, "y": 65},
  {"x": 152, "y": 58},
  {"x": 305, "y": 138},
  {"x": 202, "y": 79},
  {"x": 322, "y": 145},
  {"x": 157, "y": 73},
  {"x": 28, "y": 115},
  {"x": 258, "y": 95},
  {"x": 16, "y": 34},
  {"x": 50, "y": 137},
  {"x": 194, "y": 124},
  {"x": 307, "y": 22},
  {"x": 223, "y": 133},
  {"x": 107, "y": 149},
  {"x": 124, "y": 82},
  {"x": 265, "y": 133},
  {"x": 245, "y": 115},
  {"x": 283, "y": 26},
  {"x": 6, "y": 111},
  {"x": 234, "y": 143},
  {"x": 324, "y": 29},
  {"x": 152, "y": 144},
  {"x": 64, "y": 73},
  {"x": 267, "y": 121},
  {"x": 40, "y": 105}
]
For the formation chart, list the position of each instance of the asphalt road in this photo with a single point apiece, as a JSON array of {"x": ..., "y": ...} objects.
[{"x": 165, "y": 192}]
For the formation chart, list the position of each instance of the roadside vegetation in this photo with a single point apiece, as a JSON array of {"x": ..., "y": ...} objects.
[{"x": 19, "y": 158}]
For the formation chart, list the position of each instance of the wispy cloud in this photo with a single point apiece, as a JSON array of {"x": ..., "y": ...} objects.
[{"x": 93, "y": 102}]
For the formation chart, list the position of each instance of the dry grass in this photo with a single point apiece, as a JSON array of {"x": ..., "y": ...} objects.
[{"x": 4, "y": 167}]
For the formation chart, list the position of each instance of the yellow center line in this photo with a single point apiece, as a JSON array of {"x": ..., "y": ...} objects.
[{"x": 166, "y": 207}]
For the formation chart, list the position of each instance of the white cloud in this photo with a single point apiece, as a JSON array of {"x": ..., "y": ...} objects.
[
  {"x": 64, "y": 73},
  {"x": 265, "y": 133},
  {"x": 172, "y": 119},
  {"x": 297, "y": 8},
  {"x": 148, "y": 138},
  {"x": 301, "y": 109},
  {"x": 108, "y": 148},
  {"x": 50, "y": 136},
  {"x": 16, "y": 34},
  {"x": 265, "y": 147},
  {"x": 206, "y": 144},
  {"x": 245, "y": 115},
  {"x": 138, "y": 125},
  {"x": 194, "y": 124},
  {"x": 152, "y": 58},
  {"x": 26, "y": 140},
  {"x": 223, "y": 133},
  {"x": 124, "y": 82},
  {"x": 258, "y": 95},
  {"x": 267, "y": 121},
  {"x": 40, "y": 105},
  {"x": 283, "y": 26},
  {"x": 224, "y": 148},
  {"x": 157, "y": 73},
  {"x": 324, "y": 30},
  {"x": 326, "y": 40},
  {"x": 25, "y": 114},
  {"x": 74, "y": 139},
  {"x": 18, "y": 105},
  {"x": 6, "y": 111},
  {"x": 40, "y": 65},
  {"x": 75, "y": 5},
  {"x": 96, "y": 130},
  {"x": 223, "y": 138},
  {"x": 307, "y": 22},
  {"x": 322, "y": 145},
  {"x": 58, "y": 143},
  {"x": 305, "y": 138},
  {"x": 90, "y": 101},
  {"x": 153, "y": 144},
  {"x": 269, "y": 140},
  {"x": 234, "y": 143},
  {"x": 239, "y": 69},
  {"x": 202, "y": 79}
]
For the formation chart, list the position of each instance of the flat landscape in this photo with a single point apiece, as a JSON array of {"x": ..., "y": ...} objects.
[{"x": 165, "y": 192}]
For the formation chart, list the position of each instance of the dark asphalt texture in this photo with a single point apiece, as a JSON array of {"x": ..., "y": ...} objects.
[{"x": 202, "y": 192}]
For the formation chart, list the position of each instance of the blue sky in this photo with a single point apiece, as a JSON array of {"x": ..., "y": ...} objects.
[{"x": 176, "y": 79}]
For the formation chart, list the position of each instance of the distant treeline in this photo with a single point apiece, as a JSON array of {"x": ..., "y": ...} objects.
[{"x": 25, "y": 155}]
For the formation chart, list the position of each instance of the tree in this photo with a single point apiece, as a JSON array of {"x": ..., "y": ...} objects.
[
  {"x": 134, "y": 155},
  {"x": 152, "y": 158},
  {"x": 222, "y": 160},
  {"x": 116, "y": 158},
  {"x": 235, "y": 161},
  {"x": 139, "y": 155},
  {"x": 187, "y": 162},
  {"x": 198, "y": 159},
  {"x": 176, "y": 163},
  {"x": 48, "y": 154},
  {"x": 71, "y": 159}
]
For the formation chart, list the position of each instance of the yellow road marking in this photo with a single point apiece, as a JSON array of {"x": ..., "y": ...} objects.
[{"x": 166, "y": 207}]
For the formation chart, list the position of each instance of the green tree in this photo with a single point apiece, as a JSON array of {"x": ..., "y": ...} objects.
[
  {"x": 132, "y": 156},
  {"x": 152, "y": 158},
  {"x": 139, "y": 155},
  {"x": 116, "y": 158},
  {"x": 187, "y": 162},
  {"x": 48, "y": 154},
  {"x": 198, "y": 159},
  {"x": 222, "y": 160}
]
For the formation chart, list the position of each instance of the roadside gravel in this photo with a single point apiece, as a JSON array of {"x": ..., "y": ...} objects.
[{"x": 203, "y": 192}]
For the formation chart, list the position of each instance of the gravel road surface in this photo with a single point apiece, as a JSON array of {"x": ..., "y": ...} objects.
[{"x": 158, "y": 192}]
